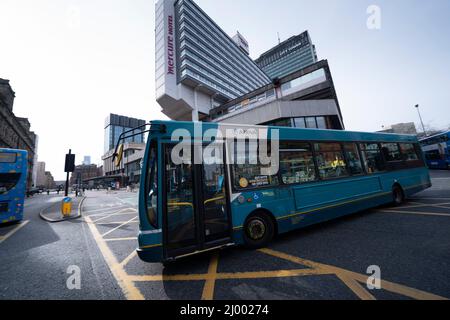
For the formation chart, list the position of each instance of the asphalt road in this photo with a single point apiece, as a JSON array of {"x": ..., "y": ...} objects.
[
  {"x": 35, "y": 259},
  {"x": 409, "y": 244}
]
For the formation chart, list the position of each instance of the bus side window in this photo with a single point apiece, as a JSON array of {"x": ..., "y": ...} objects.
[
  {"x": 331, "y": 160},
  {"x": 297, "y": 163},
  {"x": 372, "y": 158},
  {"x": 247, "y": 171},
  {"x": 354, "y": 161},
  {"x": 391, "y": 151},
  {"x": 409, "y": 152}
]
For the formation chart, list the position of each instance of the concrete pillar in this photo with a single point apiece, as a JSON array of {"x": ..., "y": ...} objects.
[{"x": 195, "y": 110}]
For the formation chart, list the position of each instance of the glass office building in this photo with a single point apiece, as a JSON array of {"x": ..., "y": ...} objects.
[
  {"x": 208, "y": 56},
  {"x": 289, "y": 56},
  {"x": 115, "y": 125}
]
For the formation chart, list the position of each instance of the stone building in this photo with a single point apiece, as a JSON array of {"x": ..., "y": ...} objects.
[
  {"x": 40, "y": 174},
  {"x": 15, "y": 132},
  {"x": 49, "y": 181},
  {"x": 401, "y": 128},
  {"x": 85, "y": 172}
]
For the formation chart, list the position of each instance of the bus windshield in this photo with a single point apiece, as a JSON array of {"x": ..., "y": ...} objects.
[
  {"x": 437, "y": 151},
  {"x": 152, "y": 186},
  {"x": 8, "y": 181},
  {"x": 13, "y": 176}
]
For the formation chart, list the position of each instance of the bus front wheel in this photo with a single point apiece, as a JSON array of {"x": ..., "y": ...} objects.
[
  {"x": 397, "y": 195},
  {"x": 258, "y": 231}
]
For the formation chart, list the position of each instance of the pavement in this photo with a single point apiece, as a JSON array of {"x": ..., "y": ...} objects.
[{"x": 410, "y": 245}]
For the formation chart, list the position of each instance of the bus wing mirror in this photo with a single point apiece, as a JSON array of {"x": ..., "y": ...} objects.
[{"x": 118, "y": 156}]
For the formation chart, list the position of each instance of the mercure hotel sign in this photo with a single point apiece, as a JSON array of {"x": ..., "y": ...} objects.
[{"x": 170, "y": 46}]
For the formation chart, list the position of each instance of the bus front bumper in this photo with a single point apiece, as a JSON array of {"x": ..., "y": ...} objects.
[{"x": 151, "y": 255}]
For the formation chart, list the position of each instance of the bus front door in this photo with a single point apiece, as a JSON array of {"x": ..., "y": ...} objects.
[{"x": 196, "y": 215}]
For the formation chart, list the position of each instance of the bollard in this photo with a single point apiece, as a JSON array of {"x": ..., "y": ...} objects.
[{"x": 66, "y": 207}]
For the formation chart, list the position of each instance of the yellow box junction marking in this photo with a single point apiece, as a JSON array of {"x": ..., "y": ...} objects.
[
  {"x": 354, "y": 281},
  {"x": 128, "y": 288},
  {"x": 121, "y": 239},
  {"x": 119, "y": 226},
  {"x": 362, "y": 278},
  {"x": 356, "y": 287},
  {"x": 208, "y": 289}
]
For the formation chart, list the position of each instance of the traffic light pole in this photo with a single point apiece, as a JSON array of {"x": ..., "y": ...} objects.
[
  {"x": 67, "y": 185},
  {"x": 67, "y": 179}
]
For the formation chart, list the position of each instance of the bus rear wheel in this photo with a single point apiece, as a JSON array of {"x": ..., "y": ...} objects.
[
  {"x": 258, "y": 231},
  {"x": 397, "y": 195}
]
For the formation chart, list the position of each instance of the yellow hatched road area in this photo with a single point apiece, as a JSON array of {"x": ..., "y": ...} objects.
[{"x": 356, "y": 282}]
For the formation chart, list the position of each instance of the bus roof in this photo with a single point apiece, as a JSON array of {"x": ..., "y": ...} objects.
[
  {"x": 7, "y": 150},
  {"x": 287, "y": 133},
  {"x": 445, "y": 133}
]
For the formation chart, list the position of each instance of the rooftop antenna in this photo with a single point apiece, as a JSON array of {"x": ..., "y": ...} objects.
[{"x": 279, "y": 40}]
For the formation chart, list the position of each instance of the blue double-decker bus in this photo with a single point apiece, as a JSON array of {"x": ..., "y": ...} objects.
[
  {"x": 13, "y": 177},
  {"x": 207, "y": 185},
  {"x": 437, "y": 150}
]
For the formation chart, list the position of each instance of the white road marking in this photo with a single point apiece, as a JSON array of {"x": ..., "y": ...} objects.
[
  {"x": 9, "y": 234},
  {"x": 118, "y": 227},
  {"x": 119, "y": 213},
  {"x": 417, "y": 213},
  {"x": 98, "y": 211}
]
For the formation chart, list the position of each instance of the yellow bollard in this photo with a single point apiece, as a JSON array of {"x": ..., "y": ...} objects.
[{"x": 66, "y": 207}]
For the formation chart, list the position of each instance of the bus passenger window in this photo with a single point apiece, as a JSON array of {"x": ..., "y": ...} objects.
[
  {"x": 330, "y": 160},
  {"x": 248, "y": 174},
  {"x": 354, "y": 161},
  {"x": 297, "y": 163},
  {"x": 391, "y": 152},
  {"x": 372, "y": 157},
  {"x": 409, "y": 152}
]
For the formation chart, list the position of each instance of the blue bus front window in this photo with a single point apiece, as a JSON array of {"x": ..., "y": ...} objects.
[
  {"x": 8, "y": 157},
  {"x": 8, "y": 181},
  {"x": 152, "y": 186}
]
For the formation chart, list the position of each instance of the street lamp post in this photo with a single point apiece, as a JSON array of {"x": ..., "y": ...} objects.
[{"x": 421, "y": 121}]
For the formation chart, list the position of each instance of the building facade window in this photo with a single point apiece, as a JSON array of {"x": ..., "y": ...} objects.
[
  {"x": 311, "y": 123},
  {"x": 300, "y": 123},
  {"x": 321, "y": 123},
  {"x": 305, "y": 81}
]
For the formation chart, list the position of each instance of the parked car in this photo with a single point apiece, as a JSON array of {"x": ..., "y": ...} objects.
[{"x": 31, "y": 192}]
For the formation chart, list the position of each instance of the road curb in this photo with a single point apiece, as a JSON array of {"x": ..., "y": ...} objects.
[{"x": 43, "y": 217}]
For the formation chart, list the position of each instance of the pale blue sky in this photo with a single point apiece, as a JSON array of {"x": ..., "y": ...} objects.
[{"x": 73, "y": 62}]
